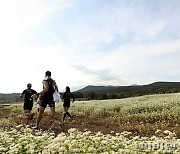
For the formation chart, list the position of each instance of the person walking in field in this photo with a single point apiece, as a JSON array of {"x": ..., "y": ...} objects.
[
  {"x": 67, "y": 96},
  {"x": 46, "y": 98},
  {"x": 28, "y": 102}
]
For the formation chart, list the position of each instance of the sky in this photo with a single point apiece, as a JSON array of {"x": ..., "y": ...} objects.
[{"x": 88, "y": 42}]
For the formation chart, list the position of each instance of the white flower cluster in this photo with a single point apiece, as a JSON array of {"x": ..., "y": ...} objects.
[{"x": 26, "y": 140}]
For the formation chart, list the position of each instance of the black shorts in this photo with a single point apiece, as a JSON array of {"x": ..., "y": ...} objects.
[
  {"x": 47, "y": 99},
  {"x": 50, "y": 103},
  {"x": 28, "y": 105},
  {"x": 66, "y": 103}
]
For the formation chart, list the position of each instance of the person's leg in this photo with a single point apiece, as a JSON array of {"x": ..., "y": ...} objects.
[
  {"x": 67, "y": 113},
  {"x": 38, "y": 106},
  {"x": 39, "y": 101},
  {"x": 66, "y": 108},
  {"x": 27, "y": 111},
  {"x": 27, "y": 115},
  {"x": 39, "y": 116},
  {"x": 31, "y": 115}
]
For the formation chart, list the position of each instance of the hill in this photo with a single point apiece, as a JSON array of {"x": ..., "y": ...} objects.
[
  {"x": 9, "y": 97},
  {"x": 100, "y": 92},
  {"x": 92, "y": 88},
  {"x": 113, "y": 92}
]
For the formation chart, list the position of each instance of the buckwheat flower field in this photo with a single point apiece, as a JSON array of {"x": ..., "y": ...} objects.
[
  {"x": 26, "y": 140},
  {"x": 148, "y": 124}
]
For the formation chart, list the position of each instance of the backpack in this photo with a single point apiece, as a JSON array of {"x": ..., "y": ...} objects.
[{"x": 51, "y": 87}]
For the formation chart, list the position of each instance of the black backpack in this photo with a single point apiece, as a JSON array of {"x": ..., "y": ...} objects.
[{"x": 51, "y": 88}]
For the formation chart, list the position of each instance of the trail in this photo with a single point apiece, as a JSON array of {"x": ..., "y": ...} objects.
[{"x": 107, "y": 125}]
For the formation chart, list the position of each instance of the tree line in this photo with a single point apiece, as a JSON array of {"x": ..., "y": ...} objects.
[{"x": 101, "y": 95}]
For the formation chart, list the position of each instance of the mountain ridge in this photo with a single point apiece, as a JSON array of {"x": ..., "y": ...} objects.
[
  {"x": 121, "y": 91},
  {"x": 93, "y": 88}
]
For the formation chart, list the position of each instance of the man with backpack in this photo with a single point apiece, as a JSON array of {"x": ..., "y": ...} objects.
[{"x": 46, "y": 97}]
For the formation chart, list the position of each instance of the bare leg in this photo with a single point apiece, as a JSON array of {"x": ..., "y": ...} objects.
[
  {"x": 39, "y": 116},
  {"x": 27, "y": 115}
]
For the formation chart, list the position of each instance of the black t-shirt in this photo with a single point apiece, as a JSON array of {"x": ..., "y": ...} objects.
[
  {"x": 28, "y": 93},
  {"x": 48, "y": 96},
  {"x": 50, "y": 83},
  {"x": 68, "y": 96}
]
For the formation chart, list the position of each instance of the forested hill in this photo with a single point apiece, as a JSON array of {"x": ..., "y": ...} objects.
[
  {"x": 10, "y": 96},
  {"x": 100, "y": 92},
  {"x": 153, "y": 86},
  {"x": 113, "y": 92}
]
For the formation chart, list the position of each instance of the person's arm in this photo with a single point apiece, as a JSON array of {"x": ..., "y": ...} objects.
[
  {"x": 22, "y": 93},
  {"x": 56, "y": 88},
  {"x": 64, "y": 95},
  {"x": 73, "y": 97},
  {"x": 34, "y": 91},
  {"x": 34, "y": 94},
  {"x": 46, "y": 87}
]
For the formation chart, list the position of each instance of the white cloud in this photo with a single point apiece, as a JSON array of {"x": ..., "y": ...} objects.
[
  {"x": 111, "y": 43},
  {"x": 21, "y": 61}
]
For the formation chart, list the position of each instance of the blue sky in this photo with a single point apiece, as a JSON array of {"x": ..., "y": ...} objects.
[{"x": 88, "y": 42}]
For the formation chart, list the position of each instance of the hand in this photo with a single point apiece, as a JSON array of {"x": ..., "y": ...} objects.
[{"x": 34, "y": 96}]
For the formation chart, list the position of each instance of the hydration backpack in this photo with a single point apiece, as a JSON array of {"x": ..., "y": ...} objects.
[{"x": 51, "y": 87}]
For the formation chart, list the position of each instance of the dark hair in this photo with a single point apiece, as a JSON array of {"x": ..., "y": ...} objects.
[
  {"x": 29, "y": 85},
  {"x": 67, "y": 89},
  {"x": 48, "y": 73}
]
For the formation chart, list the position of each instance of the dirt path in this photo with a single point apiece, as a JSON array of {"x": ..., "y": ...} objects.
[{"x": 107, "y": 125}]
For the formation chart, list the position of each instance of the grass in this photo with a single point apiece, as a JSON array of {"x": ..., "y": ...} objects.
[
  {"x": 140, "y": 115},
  {"x": 146, "y": 124}
]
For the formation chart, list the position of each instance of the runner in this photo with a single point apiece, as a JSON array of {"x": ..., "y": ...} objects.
[
  {"x": 28, "y": 102},
  {"x": 46, "y": 97},
  {"x": 67, "y": 100}
]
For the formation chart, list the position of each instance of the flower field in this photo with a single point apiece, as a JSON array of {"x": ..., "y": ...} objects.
[
  {"x": 26, "y": 140},
  {"x": 146, "y": 124}
]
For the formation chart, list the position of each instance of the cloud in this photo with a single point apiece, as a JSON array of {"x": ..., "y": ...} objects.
[
  {"x": 21, "y": 60},
  {"x": 104, "y": 74},
  {"x": 114, "y": 24},
  {"x": 89, "y": 42},
  {"x": 143, "y": 61},
  {"x": 98, "y": 76}
]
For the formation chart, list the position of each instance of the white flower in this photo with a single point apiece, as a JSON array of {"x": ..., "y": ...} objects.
[
  {"x": 59, "y": 139},
  {"x": 91, "y": 150},
  {"x": 19, "y": 126},
  {"x": 167, "y": 132},
  {"x": 158, "y": 131},
  {"x": 72, "y": 130}
]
